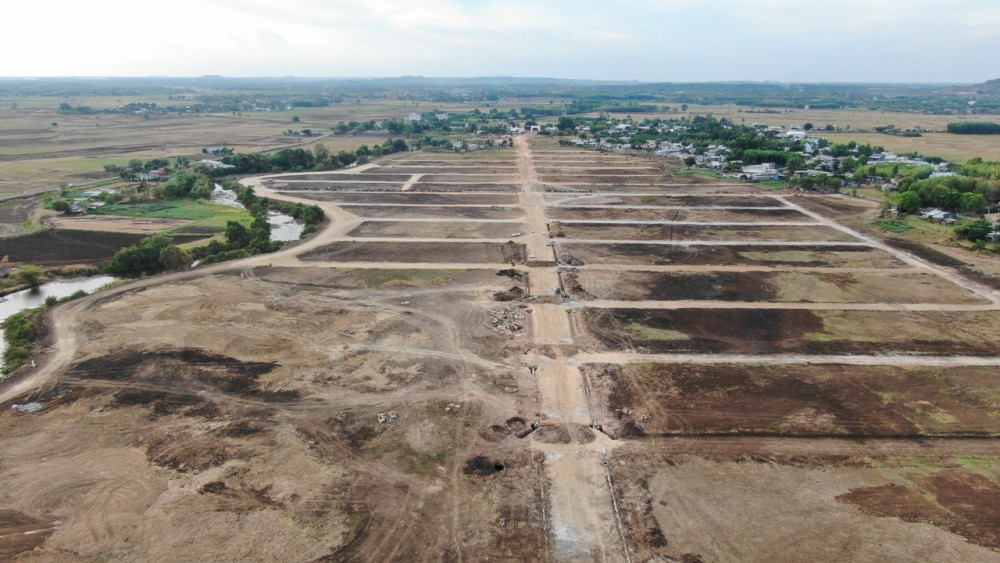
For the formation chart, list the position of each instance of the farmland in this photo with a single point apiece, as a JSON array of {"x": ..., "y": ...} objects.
[{"x": 656, "y": 365}]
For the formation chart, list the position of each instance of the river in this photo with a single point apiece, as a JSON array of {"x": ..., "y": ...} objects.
[{"x": 32, "y": 298}]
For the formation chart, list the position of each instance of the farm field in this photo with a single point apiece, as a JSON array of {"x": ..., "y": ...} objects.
[{"x": 666, "y": 368}]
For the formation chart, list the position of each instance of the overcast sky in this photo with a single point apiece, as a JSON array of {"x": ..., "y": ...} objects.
[{"x": 951, "y": 41}]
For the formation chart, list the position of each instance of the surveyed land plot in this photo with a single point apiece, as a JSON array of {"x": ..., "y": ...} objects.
[{"x": 771, "y": 286}]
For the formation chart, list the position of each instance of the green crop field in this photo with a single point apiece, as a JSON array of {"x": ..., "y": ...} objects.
[{"x": 202, "y": 213}]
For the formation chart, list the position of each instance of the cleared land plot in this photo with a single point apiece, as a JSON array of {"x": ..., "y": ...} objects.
[
  {"x": 469, "y": 178},
  {"x": 782, "y": 287},
  {"x": 271, "y": 421},
  {"x": 116, "y": 224},
  {"x": 706, "y": 214},
  {"x": 337, "y": 186},
  {"x": 604, "y": 171},
  {"x": 675, "y": 232},
  {"x": 413, "y": 198},
  {"x": 563, "y": 199},
  {"x": 437, "y": 229},
  {"x": 376, "y": 176},
  {"x": 435, "y": 162},
  {"x": 858, "y": 401},
  {"x": 652, "y": 188},
  {"x": 462, "y": 187},
  {"x": 422, "y": 212},
  {"x": 55, "y": 247},
  {"x": 781, "y": 507},
  {"x": 416, "y": 252},
  {"x": 445, "y": 169},
  {"x": 626, "y": 179},
  {"x": 651, "y": 255},
  {"x": 802, "y": 331},
  {"x": 368, "y": 279}
]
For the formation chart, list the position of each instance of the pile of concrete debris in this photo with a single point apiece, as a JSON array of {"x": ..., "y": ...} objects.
[{"x": 507, "y": 320}]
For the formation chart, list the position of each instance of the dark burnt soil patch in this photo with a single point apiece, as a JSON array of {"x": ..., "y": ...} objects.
[
  {"x": 946, "y": 260},
  {"x": 354, "y": 429},
  {"x": 964, "y": 503},
  {"x": 743, "y": 331},
  {"x": 188, "y": 451},
  {"x": 769, "y": 331},
  {"x": 669, "y": 201},
  {"x": 240, "y": 498},
  {"x": 175, "y": 379},
  {"x": 20, "y": 533},
  {"x": 461, "y": 186},
  {"x": 722, "y": 286},
  {"x": 707, "y": 255},
  {"x": 570, "y": 282},
  {"x": 929, "y": 254},
  {"x": 847, "y": 401},
  {"x": 833, "y": 207},
  {"x": 483, "y": 466},
  {"x": 55, "y": 247},
  {"x": 408, "y": 251}
]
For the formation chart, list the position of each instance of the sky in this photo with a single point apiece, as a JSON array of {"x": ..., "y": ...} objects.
[{"x": 939, "y": 41}]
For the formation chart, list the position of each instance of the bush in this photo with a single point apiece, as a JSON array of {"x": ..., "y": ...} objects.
[
  {"x": 22, "y": 331},
  {"x": 975, "y": 231}
]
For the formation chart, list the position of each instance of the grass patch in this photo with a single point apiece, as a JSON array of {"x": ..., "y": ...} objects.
[
  {"x": 643, "y": 332},
  {"x": 893, "y": 225},
  {"x": 981, "y": 465}
]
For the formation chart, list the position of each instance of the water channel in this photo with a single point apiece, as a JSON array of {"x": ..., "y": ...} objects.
[
  {"x": 32, "y": 298},
  {"x": 284, "y": 227}
]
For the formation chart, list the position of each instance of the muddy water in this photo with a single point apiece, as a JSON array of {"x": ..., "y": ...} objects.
[
  {"x": 284, "y": 227},
  {"x": 32, "y": 298}
]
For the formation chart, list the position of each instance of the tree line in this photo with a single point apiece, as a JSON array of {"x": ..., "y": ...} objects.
[{"x": 974, "y": 128}]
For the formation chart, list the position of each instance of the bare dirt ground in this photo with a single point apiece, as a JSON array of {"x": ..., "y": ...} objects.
[
  {"x": 765, "y": 215},
  {"x": 428, "y": 398},
  {"x": 142, "y": 225}
]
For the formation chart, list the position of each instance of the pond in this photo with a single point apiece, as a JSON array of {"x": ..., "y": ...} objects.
[{"x": 32, "y": 298}]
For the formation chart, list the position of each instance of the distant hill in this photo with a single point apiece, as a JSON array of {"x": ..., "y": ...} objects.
[{"x": 990, "y": 87}]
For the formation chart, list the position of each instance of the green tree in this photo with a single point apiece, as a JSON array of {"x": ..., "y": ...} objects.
[
  {"x": 60, "y": 205},
  {"x": 973, "y": 203},
  {"x": 295, "y": 119},
  {"x": 237, "y": 235},
  {"x": 908, "y": 202},
  {"x": 795, "y": 163},
  {"x": 30, "y": 274},
  {"x": 174, "y": 258}
]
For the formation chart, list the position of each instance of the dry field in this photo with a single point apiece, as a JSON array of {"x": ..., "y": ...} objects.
[{"x": 665, "y": 368}]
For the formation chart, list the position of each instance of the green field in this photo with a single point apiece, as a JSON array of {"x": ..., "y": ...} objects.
[{"x": 202, "y": 213}]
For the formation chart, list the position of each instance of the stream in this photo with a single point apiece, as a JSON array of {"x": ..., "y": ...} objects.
[
  {"x": 35, "y": 297},
  {"x": 284, "y": 227}
]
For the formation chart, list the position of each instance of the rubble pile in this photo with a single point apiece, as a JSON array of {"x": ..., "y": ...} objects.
[{"x": 507, "y": 320}]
